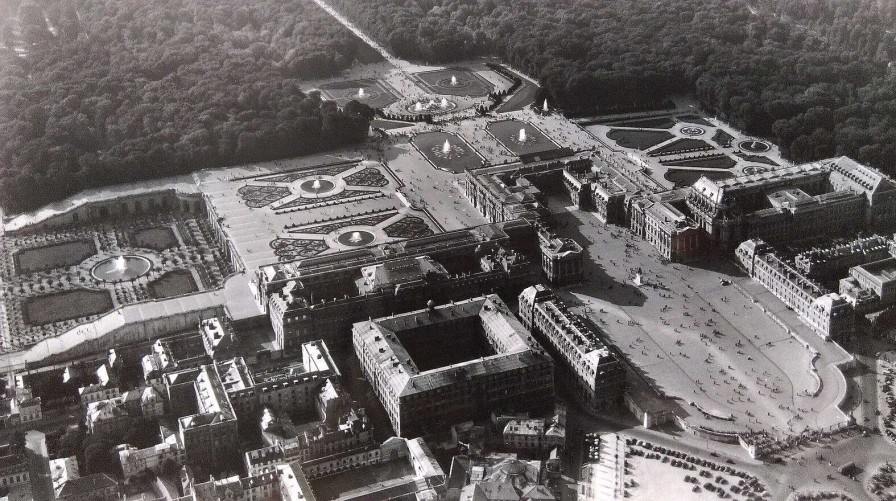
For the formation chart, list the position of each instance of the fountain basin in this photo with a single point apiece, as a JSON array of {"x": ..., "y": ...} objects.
[
  {"x": 754, "y": 146},
  {"x": 121, "y": 268},
  {"x": 317, "y": 186},
  {"x": 431, "y": 105},
  {"x": 356, "y": 238}
]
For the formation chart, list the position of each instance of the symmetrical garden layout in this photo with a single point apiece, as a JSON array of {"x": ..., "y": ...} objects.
[{"x": 58, "y": 279}]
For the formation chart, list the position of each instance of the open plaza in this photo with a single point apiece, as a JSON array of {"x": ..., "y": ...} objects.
[{"x": 722, "y": 357}]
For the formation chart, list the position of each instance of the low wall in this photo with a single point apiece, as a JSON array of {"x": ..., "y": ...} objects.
[{"x": 108, "y": 331}]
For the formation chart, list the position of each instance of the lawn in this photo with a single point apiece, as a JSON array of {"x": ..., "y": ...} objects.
[
  {"x": 460, "y": 158},
  {"x": 681, "y": 146},
  {"x": 389, "y": 124},
  {"x": 520, "y": 99},
  {"x": 53, "y": 256},
  {"x": 638, "y": 139},
  {"x": 157, "y": 238},
  {"x": 753, "y": 146},
  {"x": 175, "y": 283},
  {"x": 710, "y": 162},
  {"x": 77, "y": 303},
  {"x": 648, "y": 123},
  {"x": 695, "y": 119},
  {"x": 684, "y": 178},
  {"x": 722, "y": 138},
  {"x": 756, "y": 158}
]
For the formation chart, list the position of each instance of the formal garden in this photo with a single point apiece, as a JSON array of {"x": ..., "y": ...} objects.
[
  {"x": 639, "y": 139},
  {"x": 57, "y": 279}
]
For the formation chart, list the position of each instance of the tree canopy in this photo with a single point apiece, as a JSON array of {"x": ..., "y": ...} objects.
[
  {"x": 814, "y": 76},
  {"x": 95, "y": 92}
]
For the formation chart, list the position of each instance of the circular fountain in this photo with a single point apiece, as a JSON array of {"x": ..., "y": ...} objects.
[
  {"x": 692, "y": 130},
  {"x": 317, "y": 186},
  {"x": 754, "y": 146},
  {"x": 121, "y": 268},
  {"x": 755, "y": 169},
  {"x": 356, "y": 238}
]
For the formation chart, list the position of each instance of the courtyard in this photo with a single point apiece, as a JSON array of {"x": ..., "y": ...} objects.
[
  {"x": 344, "y": 483},
  {"x": 433, "y": 349}
]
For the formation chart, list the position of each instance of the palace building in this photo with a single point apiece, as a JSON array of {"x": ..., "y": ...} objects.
[
  {"x": 320, "y": 298},
  {"x": 830, "y": 197},
  {"x": 825, "y": 312},
  {"x": 577, "y": 346}
]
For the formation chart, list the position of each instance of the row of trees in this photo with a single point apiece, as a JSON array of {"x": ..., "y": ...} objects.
[
  {"x": 818, "y": 81},
  {"x": 110, "y": 91}
]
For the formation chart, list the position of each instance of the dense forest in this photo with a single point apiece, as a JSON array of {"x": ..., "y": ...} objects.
[
  {"x": 94, "y": 92},
  {"x": 864, "y": 26},
  {"x": 814, "y": 76}
]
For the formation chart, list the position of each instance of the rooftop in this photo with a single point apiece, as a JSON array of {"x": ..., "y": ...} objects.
[
  {"x": 883, "y": 270},
  {"x": 399, "y": 271},
  {"x": 77, "y": 487}
]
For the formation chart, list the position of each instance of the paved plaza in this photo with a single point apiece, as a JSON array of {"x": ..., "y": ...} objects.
[{"x": 728, "y": 365}]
